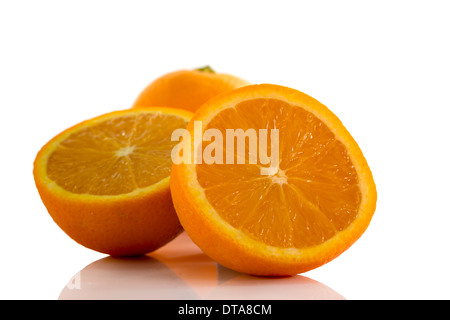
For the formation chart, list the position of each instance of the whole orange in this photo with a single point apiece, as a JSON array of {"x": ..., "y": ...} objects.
[{"x": 187, "y": 89}]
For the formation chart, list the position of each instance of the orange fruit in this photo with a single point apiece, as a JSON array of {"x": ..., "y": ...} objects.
[
  {"x": 187, "y": 89},
  {"x": 302, "y": 212},
  {"x": 105, "y": 181}
]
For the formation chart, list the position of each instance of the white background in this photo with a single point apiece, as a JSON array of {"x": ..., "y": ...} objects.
[{"x": 383, "y": 67}]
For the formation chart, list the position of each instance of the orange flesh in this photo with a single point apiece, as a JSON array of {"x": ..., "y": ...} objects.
[
  {"x": 115, "y": 156},
  {"x": 314, "y": 194}
]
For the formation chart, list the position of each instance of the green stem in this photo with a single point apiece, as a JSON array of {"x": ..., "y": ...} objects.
[{"x": 206, "y": 69}]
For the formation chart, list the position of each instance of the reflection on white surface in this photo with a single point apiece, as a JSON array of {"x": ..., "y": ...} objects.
[{"x": 180, "y": 270}]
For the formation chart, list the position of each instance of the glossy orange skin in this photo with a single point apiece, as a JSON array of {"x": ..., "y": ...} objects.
[
  {"x": 124, "y": 227},
  {"x": 186, "y": 89}
]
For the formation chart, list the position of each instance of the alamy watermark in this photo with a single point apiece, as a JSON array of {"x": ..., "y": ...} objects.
[
  {"x": 74, "y": 282},
  {"x": 214, "y": 152}
]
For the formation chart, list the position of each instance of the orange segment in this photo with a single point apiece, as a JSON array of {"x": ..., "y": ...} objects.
[
  {"x": 309, "y": 209},
  {"x": 315, "y": 172},
  {"x": 115, "y": 156},
  {"x": 105, "y": 181}
]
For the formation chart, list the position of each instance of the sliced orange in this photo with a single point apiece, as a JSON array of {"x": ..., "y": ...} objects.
[
  {"x": 302, "y": 213},
  {"x": 105, "y": 181},
  {"x": 187, "y": 89}
]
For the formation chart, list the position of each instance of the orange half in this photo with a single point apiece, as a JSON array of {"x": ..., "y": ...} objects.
[
  {"x": 309, "y": 208},
  {"x": 105, "y": 181}
]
